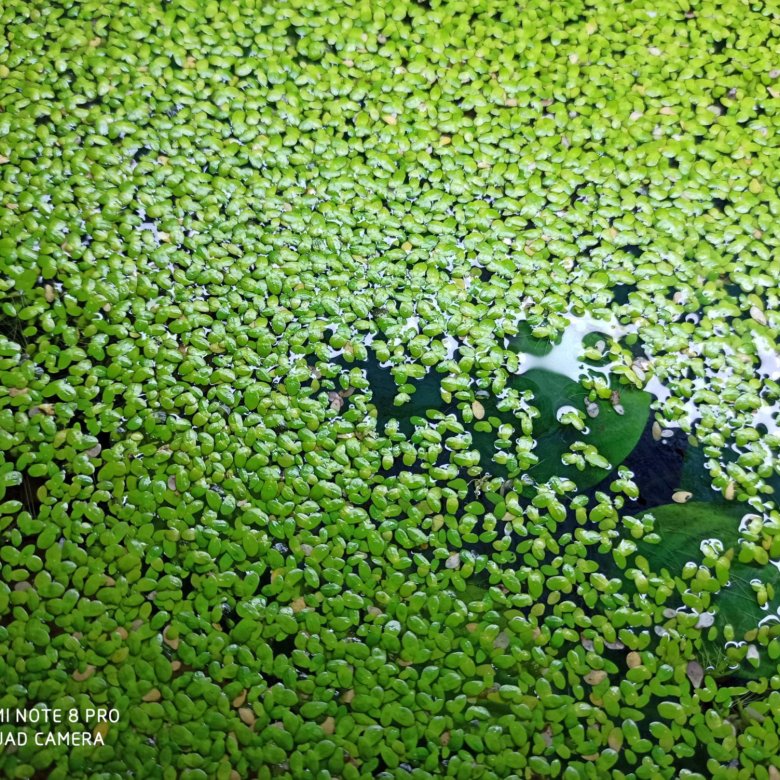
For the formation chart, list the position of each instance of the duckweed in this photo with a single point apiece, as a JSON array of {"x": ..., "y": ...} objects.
[{"x": 389, "y": 390}]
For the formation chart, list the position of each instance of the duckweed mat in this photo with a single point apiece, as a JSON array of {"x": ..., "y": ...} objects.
[{"x": 389, "y": 389}]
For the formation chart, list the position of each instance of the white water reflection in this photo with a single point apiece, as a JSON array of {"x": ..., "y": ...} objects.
[{"x": 565, "y": 357}]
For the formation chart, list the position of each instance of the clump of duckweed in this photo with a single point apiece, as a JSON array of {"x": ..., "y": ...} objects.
[{"x": 390, "y": 390}]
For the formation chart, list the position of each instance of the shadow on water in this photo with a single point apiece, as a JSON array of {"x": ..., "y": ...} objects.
[
  {"x": 426, "y": 395},
  {"x": 662, "y": 466}
]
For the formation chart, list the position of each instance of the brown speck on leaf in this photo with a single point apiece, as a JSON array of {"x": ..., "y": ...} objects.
[
  {"x": 595, "y": 676},
  {"x": 172, "y": 642},
  {"x": 85, "y": 675},
  {"x": 16, "y": 391},
  {"x": 247, "y": 716},
  {"x": 336, "y": 401},
  {"x": 706, "y": 619},
  {"x": 390, "y": 119},
  {"x": 240, "y": 699},
  {"x": 587, "y": 643},
  {"x": 153, "y": 695},
  {"x": 3, "y": 159},
  {"x": 758, "y": 315},
  {"x": 329, "y": 724},
  {"x": 695, "y": 673},
  {"x": 190, "y": 62}
]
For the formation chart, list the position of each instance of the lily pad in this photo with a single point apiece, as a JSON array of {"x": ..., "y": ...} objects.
[
  {"x": 684, "y": 530},
  {"x": 613, "y": 435},
  {"x": 525, "y": 341}
]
